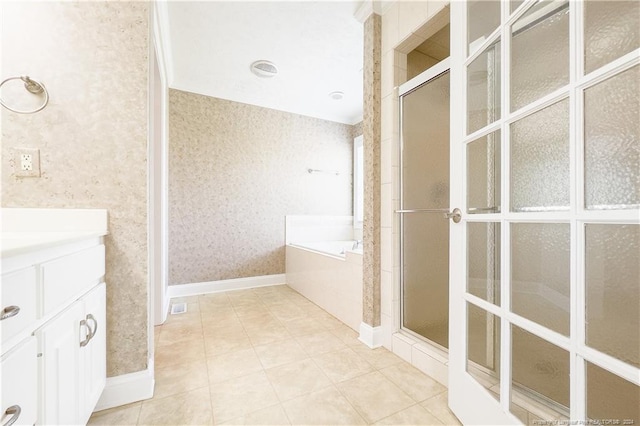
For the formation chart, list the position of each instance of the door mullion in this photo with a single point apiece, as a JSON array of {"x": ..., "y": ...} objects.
[
  {"x": 577, "y": 302},
  {"x": 505, "y": 276}
]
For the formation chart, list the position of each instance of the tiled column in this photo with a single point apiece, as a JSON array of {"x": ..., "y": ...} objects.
[{"x": 371, "y": 132}]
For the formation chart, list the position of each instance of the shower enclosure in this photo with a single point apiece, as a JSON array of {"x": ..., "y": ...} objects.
[{"x": 424, "y": 203}]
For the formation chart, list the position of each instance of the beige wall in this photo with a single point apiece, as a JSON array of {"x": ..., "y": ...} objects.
[
  {"x": 235, "y": 171},
  {"x": 93, "y": 59}
]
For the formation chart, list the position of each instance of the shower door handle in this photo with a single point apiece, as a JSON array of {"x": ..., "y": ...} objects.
[{"x": 455, "y": 215}]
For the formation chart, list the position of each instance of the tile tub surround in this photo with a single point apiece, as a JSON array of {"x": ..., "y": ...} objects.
[
  {"x": 246, "y": 362},
  {"x": 92, "y": 138},
  {"x": 331, "y": 282},
  {"x": 235, "y": 171}
]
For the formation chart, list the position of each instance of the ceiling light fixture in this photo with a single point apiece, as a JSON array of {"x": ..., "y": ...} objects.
[
  {"x": 264, "y": 69},
  {"x": 336, "y": 96}
]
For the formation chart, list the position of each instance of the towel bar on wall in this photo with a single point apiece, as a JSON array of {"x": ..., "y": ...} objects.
[{"x": 32, "y": 86}]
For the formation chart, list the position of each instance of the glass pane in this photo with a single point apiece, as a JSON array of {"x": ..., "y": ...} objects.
[
  {"x": 540, "y": 160},
  {"x": 515, "y": 4},
  {"x": 611, "y": 30},
  {"x": 612, "y": 142},
  {"x": 483, "y": 174},
  {"x": 540, "y": 378},
  {"x": 483, "y": 19},
  {"x": 483, "y": 348},
  {"x": 483, "y": 257},
  {"x": 425, "y": 140},
  {"x": 540, "y": 270},
  {"x": 539, "y": 52},
  {"x": 613, "y": 290},
  {"x": 483, "y": 89},
  {"x": 426, "y": 276},
  {"x": 611, "y": 397}
]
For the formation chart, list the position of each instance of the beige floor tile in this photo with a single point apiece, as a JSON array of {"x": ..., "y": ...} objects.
[
  {"x": 297, "y": 378},
  {"x": 347, "y": 335},
  {"x": 438, "y": 406},
  {"x": 221, "y": 316},
  {"x": 273, "y": 415},
  {"x": 279, "y": 353},
  {"x": 241, "y": 396},
  {"x": 224, "y": 344},
  {"x": 179, "y": 353},
  {"x": 374, "y": 396},
  {"x": 251, "y": 310},
  {"x": 215, "y": 298},
  {"x": 229, "y": 329},
  {"x": 190, "y": 329},
  {"x": 324, "y": 407},
  {"x": 186, "y": 299},
  {"x": 415, "y": 415},
  {"x": 416, "y": 384},
  {"x": 193, "y": 309},
  {"x": 287, "y": 312},
  {"x": 303, "y": 326},
  {"x": 126, "y": 415},
  {"x": 189, "y": 408},
  {"x": 180, "y": 378},
  {"x": 211, "y": 304},
  {"x": 260, "y": 321},
  {"x": 319, "y": 343},
  {"x": 378, "y": 357},
  {"x": 342, "y": 365},
  {"x": 268, "y": 334},
  {"x": 232, "y": 364}
]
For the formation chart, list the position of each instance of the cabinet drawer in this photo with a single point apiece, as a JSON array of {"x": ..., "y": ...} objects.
[
  {"x": 67, "y": 277},
  {"x": 17, "y": 302},
  {"x": 19, "y": 384}
]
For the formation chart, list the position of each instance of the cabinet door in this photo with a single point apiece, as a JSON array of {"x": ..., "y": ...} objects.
[
  {"x": 59, "y": 343},
  {"x": 93, "y": 355},
  {"x": 18, "y": 397}
]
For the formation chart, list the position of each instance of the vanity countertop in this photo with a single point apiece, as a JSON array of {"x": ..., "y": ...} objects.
[
  {"x": 25, "y": 230},
  {"x": 14, "y": 243}
]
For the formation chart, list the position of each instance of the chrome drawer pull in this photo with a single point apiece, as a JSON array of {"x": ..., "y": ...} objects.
[
  {"x": 13, "y": 411},
  {"x": 92, "y": 333},
  {"x": 85, "y": 342},
  {"x": 9, "y": 311}
]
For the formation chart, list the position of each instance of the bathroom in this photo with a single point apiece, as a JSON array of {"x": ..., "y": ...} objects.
[{"x": 88, "y": 162}]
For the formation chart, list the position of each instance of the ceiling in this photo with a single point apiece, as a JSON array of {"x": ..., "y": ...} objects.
[{"x": 317, "y": 47}]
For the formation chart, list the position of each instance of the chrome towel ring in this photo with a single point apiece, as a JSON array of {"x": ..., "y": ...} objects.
[{"x": 32, "y": 86}]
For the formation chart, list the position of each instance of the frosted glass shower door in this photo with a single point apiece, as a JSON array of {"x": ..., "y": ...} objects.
[
  {"x": 424, "y": 201},
  {"x": 545, "y": 165}
]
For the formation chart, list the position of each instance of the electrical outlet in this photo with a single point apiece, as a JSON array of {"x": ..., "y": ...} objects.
[{"x": 27, "y": 162}]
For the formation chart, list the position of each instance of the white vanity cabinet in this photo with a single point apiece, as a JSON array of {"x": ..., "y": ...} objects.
[
  {"x": 53, "y": 325},
  {"x": 72, "y": 364}
]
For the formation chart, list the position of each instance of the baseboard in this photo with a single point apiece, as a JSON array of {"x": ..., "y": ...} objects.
[
  {"x": 125, "y": 389},
  {"x": 371, "y": 336},
  {"x": 183, "y": 290}
]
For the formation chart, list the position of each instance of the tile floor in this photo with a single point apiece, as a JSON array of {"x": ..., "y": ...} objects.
[{"x": 268, "y": 356}]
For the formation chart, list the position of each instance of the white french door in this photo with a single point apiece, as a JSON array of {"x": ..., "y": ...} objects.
[{"x": 545, "y": 166}]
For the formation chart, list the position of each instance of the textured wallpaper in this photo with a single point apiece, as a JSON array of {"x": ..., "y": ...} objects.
[
  {"x": 235, "y": 171},
  {"x": 93, "y": 58}
]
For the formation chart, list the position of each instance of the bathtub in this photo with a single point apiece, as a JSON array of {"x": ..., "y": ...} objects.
[
  {"x": 329, "y": 273},
  {"x": 337, "y": 249}
]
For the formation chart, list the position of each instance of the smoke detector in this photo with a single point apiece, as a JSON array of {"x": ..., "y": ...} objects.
[
  {"x": 336, "y": 96},
  {"x": 264, "y": 69}
]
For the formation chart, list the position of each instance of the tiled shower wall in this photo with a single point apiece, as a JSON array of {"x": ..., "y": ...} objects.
[
  {"x": 92, "y": 136},
  {"x": 235, "y": 171}
]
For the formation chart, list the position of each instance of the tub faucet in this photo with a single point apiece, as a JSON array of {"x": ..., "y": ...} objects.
[{"x": 356, "y": 244}]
